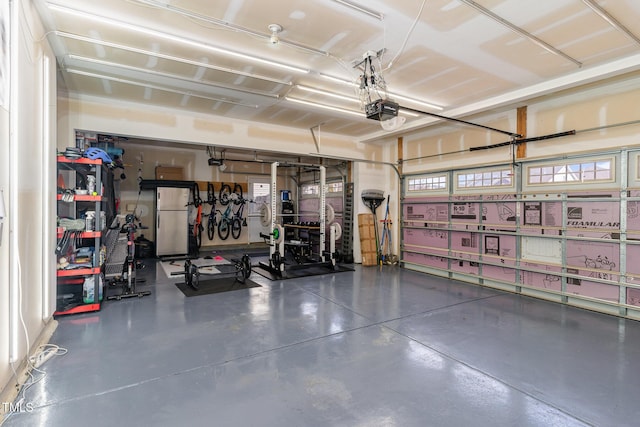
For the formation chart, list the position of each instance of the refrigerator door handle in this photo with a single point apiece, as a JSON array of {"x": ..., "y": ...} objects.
[{"x": 158, "y": 220}]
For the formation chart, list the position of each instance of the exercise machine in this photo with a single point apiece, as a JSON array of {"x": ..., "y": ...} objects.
[
  {"x": 288, "y": 212},
  {"x": 122, "y": 264},
  {"x": 276, "y": 237}
]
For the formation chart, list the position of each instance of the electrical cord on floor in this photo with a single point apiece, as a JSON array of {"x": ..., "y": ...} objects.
[
  {"x": 26, "y": 334},
  {"x": 42, "y": 354},
  {"x": 34, "y": 375}
]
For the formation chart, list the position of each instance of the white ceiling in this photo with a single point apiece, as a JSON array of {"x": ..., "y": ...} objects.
[{"x": 167, "y": 53}]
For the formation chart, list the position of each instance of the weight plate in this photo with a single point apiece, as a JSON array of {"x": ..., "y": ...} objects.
[
  {"x": 265, "y": 215},
  {"x": 246, "y": 262},
  {"x": 330, "y": 214},
  {"x": 278, "y": 233},
  {"x": 240, "y": 273},
  {"x": 338, "y": 229},
  {"x": 195, "y": 276}
]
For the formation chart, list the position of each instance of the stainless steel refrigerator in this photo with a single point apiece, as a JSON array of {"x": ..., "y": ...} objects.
[{"x": 172, "y": 221}]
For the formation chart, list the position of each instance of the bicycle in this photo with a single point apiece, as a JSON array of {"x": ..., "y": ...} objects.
[
  {"x": 128, "y": 278},
  {"x": 239, "y": 220},
  {"x": 224, "y": 196},
  {"x": 211, "y": 221},
  {"x": 230, "y": 221},
  {"x": 197, "y": 227},
  {"x": 227, "y": 223}
]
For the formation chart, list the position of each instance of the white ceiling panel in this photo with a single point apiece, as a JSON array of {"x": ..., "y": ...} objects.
[{"x": 217, "y": 56}]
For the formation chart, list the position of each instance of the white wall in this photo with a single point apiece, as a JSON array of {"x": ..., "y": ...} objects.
[
  {"x": 377, "y": 176},
  {"x": 27, "y": 180},
  {"x": 5, "y": 368},
  {"x": 597, "y": 105},
  {"x": 143, "y": 121}
]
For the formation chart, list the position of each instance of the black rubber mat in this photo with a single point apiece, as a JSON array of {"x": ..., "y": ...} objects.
[
  {"x": 214, "y": 286},
  {"x": 297, "y": 272}
]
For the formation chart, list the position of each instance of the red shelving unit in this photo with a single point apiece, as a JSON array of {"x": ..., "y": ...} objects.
[
  {"x": 72, "y": 281},
  {"x": 85, "y": 308}
]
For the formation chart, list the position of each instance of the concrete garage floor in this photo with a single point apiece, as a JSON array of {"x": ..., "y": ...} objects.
[{"x": 362, "y": 348}]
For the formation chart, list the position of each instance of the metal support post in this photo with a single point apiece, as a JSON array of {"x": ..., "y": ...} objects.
[{"x": 323, "y": 203}]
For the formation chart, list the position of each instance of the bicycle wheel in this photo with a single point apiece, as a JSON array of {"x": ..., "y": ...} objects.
[
  {"x": 224, "y": 229},
  {"x": 239, "y": 271},
  {"x": 236, "y": 228},
  {"x": 211, "y": 197},
  {"x": 237, "y": 189},
  {"x": 225, "y": 192},
  {"x": 191, "y": 275},
  {"x": 197, "y": 227},
  {"x": 198, "y": 235},
  {"x": 246, "y": 262},
  {"x": 211, "y": 225}
]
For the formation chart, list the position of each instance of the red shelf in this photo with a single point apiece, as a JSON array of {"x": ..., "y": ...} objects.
[
  {"x": 81, "y": 160},
  {"x": 78, "y": 272},
  {"x": 79, "y": 309},
  {"x": 71, "y": 281},
  {"x": 68, "y": 170},
  {"x": 85, "y": 234},
  {"x": 82, "y": 198}
]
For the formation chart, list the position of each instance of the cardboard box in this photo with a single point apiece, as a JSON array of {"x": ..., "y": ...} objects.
[
  {"x": 368, "y": 245},
  {"x": 368, "y": 249},
  {"x": 366, "y": 226},
  {"x": 366, "y": 232},
  {"x": 365, "y": 219},
  {"x": 172, "y": 173},
  {"x": 369, "y": 258}
]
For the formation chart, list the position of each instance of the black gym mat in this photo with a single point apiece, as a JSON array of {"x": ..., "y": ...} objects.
[
  {"x": 296, "y": 272},
  {"x": 214, "y": 286}
]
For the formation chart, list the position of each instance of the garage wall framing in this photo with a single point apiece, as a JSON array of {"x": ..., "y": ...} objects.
[{"x": 571, "y": 238}]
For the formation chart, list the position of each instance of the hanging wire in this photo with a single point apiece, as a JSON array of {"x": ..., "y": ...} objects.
[
  {"x": 406, "y": 39},
  {"x": 372, "y": 85}
]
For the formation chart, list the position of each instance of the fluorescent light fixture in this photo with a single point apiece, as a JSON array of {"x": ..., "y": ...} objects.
[
  {"x": 47, "y": 186},
  {"x": 152, "y": 86},
  {"x": 339, "y": 80},
  {"x": 610, "y": 19},
  {"x": 407, "y": 113},
  {"x": 167, "y": 75},
  {"x": 13, "y": 215},
  {"x": 541, "y": 43},
  {"x": 414, "y": 101},
  {"x": 346, "y": 98},
  {"x": 324, "y": 106},
  {"x": 182, "y": 40},
  {"x": 331, "y": 94},
  {"x": 170, "y": 57},
  {"x": 361, "y": 9},
  {"x": 391, "y": 95}
]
